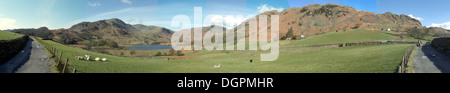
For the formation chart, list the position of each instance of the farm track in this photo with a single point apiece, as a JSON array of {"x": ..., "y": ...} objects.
[
  {"x": 32, "y": 59},
  {"x": 428, "y": 60}
]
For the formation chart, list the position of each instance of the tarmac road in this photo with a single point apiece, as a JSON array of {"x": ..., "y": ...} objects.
[
  {"x": 428, "y": 60},
  {"x": 32, "y": 59}
]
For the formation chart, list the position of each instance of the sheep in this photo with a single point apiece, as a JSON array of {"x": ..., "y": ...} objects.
[
  {"x": 97, "y": 59},
  {"x": 217, "y": 66},
  {"x": 103, "y": 59},
  {"x": 88, "y": 57},
  {"x": 79, "y": 57}
]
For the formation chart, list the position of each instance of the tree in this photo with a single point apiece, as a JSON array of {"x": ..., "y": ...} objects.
[
  {"x": 283, "y": 38},
  {"x": 132, "y": 52},
  {"x": 418, "y": 33},
  {"x": 158, "y": 53},
  {"x": 171, "y": 52},
  {"x": 290, "y": 33},
  {"x": 113, "y": 44},
  {"x": 179, "y": 53},
  {"x": 294, "y": 38},
  {"x": 102, "y": 42}
]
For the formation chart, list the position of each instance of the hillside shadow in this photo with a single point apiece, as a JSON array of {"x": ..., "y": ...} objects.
[{"x": 441, "y": 61}]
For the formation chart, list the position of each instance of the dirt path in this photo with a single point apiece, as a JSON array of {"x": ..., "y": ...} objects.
[
  {"x": 428, "y": 60},
  {"x": 32, "y": 59}
]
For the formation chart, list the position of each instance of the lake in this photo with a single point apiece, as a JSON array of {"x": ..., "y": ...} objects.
[{"x": 149, "y": 47}]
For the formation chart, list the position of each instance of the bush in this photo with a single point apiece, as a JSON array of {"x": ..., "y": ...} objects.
[
  {"x": 171, "y": 52},
  {"x": 179, "y": 53},
  {"x": 112, "y": 44},
  {"x": 283, "y": 38},
  {"x": 158, "y": 53},
  {"x": 290, "y": 33},
  {"x": 132, "y": 52},
  {"x": 417, "y": 33},
  {"x": 102, "y": 42},
  {"x": 294, "y": 38}
]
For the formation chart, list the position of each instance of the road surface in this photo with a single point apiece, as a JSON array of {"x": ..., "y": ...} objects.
[
  {"x": 32, "y": 59},
  {"x": 428, "y": 60}
]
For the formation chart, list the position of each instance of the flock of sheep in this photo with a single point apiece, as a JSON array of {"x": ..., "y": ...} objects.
[{"x": 89, "y": 58}]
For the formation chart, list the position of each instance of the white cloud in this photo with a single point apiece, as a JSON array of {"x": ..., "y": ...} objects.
[
  {"x": 126, "y": 1},
  {"x": 265, "y": 7},
  {"x": 227, "y": 21},
  {"x": 443, "y": 25},
  {"x": 418, "y": 18},
  {"x": 94, "y": 4},
  {"x": 7, "y": 23}
]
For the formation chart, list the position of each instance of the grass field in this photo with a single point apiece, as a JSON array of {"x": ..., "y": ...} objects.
[
  {"x": 426, "y": 38},
  {"x": 355, "y": 59},
  {"x": 357, "y": 35},
  {"x": 4, "y": 35}
]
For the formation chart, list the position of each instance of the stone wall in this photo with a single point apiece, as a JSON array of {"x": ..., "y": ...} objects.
[
  {"x": 10, "y": 48},
  {"x": 441, "y": 44}
]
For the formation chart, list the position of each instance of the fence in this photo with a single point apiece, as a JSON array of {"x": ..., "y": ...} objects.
[
  {"x": 405, "y": 60},
  {"x": 355, "y": 44},
  {"x": 60, "y": 64}
]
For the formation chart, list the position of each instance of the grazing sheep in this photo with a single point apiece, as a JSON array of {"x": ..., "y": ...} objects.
[
  {"x": 79, "y": 57},
  {"x": 97, "y": 59},
  {"x": 103, "y": 59},
  {"x": 217, "y": 66},
  {"x": 88, "y": 57}
]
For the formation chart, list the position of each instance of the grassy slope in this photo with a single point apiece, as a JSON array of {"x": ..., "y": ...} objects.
[
  {"x": 357, "y": 35},
  {"x": 4, "y": 35},
  {"x": 372, "y": 59},
  {"x": 427, "y": 38}
]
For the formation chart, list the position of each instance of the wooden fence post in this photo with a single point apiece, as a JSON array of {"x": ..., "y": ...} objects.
[
  {"x": 74, "y": 70},
  {"x": 403, "y": 64},
  {"x": 57, "y": 60},
  {"x": 60, "y": 55},
  {"x": 65, "y": 66}
]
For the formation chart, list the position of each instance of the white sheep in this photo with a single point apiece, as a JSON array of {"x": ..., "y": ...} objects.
[
  {"x": 79, "y": 57},
  {"x": 97, "y": 59},
  {"x": 88, "y": 57},
  {"x": 103, "y": 59},
  {"x": 217, "y": 66}
]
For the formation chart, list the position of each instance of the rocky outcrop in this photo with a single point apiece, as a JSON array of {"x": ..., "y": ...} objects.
[{"x": 317, "y": 19}]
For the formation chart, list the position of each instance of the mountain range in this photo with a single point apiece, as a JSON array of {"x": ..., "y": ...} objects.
[{"x": 308, "y": 20}]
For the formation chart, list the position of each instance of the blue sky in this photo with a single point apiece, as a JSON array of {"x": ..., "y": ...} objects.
[{"x": 57, "y": 14}]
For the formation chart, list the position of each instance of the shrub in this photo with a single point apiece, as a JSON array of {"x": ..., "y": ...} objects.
[
  {"x": 283, "y": 38},
  {"x": 112, "y": 44},
  {"x": 294, "y": 38},
  {"x": 171, "y": 52},
  {"x": 158, "y": 53},
  {"x": 417, "y": 33},
  {"x": 179, "y": 53},
  {"x": 290, "y": 33},
  {"x": 132, "y": 52}
]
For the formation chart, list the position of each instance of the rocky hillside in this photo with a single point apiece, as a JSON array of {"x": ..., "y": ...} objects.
[
  {"x": 110, "y": 29},
  {"x": 317, "y": 19}
]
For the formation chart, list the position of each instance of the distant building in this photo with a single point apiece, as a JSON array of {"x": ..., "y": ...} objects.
[{"x": 302, "y": 36}]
